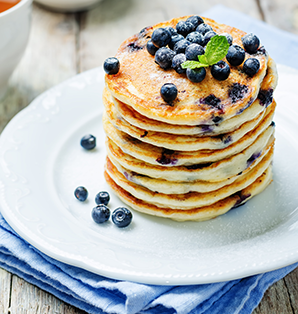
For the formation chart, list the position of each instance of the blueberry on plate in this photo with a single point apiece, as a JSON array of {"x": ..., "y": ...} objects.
[
  {"x": 208, "y": 36},
  {"x": 111, "y": 65},
  {"x": 121, "y": 217},
  {"x": 102, "y": 197},
  {"x": 204, "y": 28},
  {"x": 228, "y": 37},
  {"x": 169, "y": 92},
  {"x": 250, "y": 43},
  {"x": 220, "y": 71},
  {"x": 196, "y": 75},
  {"x": 193, "y": 51},
  {"x": 175, "y": 39},
  {"x": 235, "y": 55},
  {"x": 88, "y": 141},
  {"x": 177, "y": 61},
  {"x": 251, "y": 66},
  {"x": 151, "y": 48},
  {"x": 195, "y": 38},
  {"x": 181, "y": 45},
  {"x": 100, "y": 214},
  {"x": 164, "y": 57},
  {"x": 195, "y": 20},
  {"x": 161, "y": 37},
  {"x": 81, "y": 193},
  {"x": 184, "y": 27}
]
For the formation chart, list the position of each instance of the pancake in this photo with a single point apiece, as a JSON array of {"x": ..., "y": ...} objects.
[
  {"x": 173, "y": 187},
  {"x": 199, "y": 213},
  {"x": 138, "y": 120},
  {"x": 210, "y": 100},
  {"x": 191, "y": 199},
  {"x": 212, "y": 172},
  {"x": 160, "y": 156}
]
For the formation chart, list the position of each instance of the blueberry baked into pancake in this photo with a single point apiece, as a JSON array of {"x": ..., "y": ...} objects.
[{"x": 188, "y": 119}]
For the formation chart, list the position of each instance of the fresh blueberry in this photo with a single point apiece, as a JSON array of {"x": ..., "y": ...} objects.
[
  {"x": 193, "y": 51},
  {"x": 88, "y": 141},
  {"x": 111, "y": 65},
  {"x": 195, "y": 20},
  {"x": 172, "y": 31},
  {"x": 81, "y": 193},
  {"x": 184, "y": 27},
  {"x": 228, "y": 37},
  {"x": 175, "y": 39},
  {"x": 196, "y": 75},
  {"x": 181, "y": 45},
  {"x": 161, "y": 37},
  {"x": 121, "y": 217},
  {"x": 250, "y": 43},
  {"x": 169, "y": 92},
  {"x": 102, "y": 198},
  {"x": 204, "y": 28},
  {"x": 251, "y": 66},
  {"x": 195, "y": 38},
  {"x": 164, "y": 57},
  {"x": 220, "y": 71},
  {"x": 151, "y": 48},
  {"x": 208, "y": 36},
  {"x": 100, "y": 214},
  {"x": 177, "y": 61},
  {"x": 235, "y": 55}
]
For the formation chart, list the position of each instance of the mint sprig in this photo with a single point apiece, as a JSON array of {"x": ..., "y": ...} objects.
[{"x": 216, "y": 49}]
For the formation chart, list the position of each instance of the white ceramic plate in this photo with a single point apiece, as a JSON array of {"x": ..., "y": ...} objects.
[{"x": 42, "y": 162}]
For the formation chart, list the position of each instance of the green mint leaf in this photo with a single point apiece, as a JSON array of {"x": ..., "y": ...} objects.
[
  {"x": 216, "y": 49},
  {"x": 193, "y": 65},
  {"x": 203, "y": 59}
]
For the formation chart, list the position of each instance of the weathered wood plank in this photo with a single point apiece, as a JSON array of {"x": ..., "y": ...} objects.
[
  {"x": 29, "y": 299},
  {"x": 5, "y": 286},
  {"x": 106, "y": 26},
  {"x": 291, "y": 282},
  {"x": 281, "y": 13}
]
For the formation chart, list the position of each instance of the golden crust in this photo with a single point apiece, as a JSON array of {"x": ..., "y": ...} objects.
[{"x": 139, "y": 81}]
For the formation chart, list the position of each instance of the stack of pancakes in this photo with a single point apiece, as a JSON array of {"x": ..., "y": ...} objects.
[{"x": 207, "y": 152}]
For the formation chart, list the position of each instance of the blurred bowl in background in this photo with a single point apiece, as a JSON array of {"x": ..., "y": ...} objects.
[
  {"x": 68, "y": 5},
  {"x": 14, "y": 33}
]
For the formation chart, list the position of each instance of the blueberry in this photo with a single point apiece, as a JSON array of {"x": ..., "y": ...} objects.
[
  {"x": 250, "y": 43},
  {"x": 195, "y": 38},
  {"x": 220, "y": 71},
  {"x": 164, "y": 57},
  {"x": 251, "y": 66},
  {"x": 208, "y": 36},
  {"x": 169, "y": 92},
  {"x": 151, "y": 48},
  {"x": 175, "y": 39},
  {"x": 88, "y": 141},
  {"x": 177, "y": 61},
  {"x": 81, "y": 193},
  {"x": 111, "y": 65},
  {"x": 193, "y": 51},
  {"x": 195, "y": 20},
  {"x": 204, "y": 28},
  {"x": 235, "y": 55},
  {"x": 228, "y": 37},
  {"x": 196, "y": 75},
  {"x": 181, "y": 45},
  {"x": 102, "y": 198},
  {"x": 172, "y": 31},
  {"x": 161, "y": 37},
  {"x": 184, "y": 28},
  {"x": 121, "y": 217},
  {"x": 100, "y": 213}
]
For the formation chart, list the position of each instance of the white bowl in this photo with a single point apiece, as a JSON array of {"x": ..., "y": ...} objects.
[
  {"x": 14, "y": 33},
  {"x": 68, "y": 5}
]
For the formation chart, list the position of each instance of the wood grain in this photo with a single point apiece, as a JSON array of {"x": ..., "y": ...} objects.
[{"x": 5, "y": 286}]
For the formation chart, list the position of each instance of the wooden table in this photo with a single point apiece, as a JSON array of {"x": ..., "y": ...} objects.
[{"x": 62, "y": 45}]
